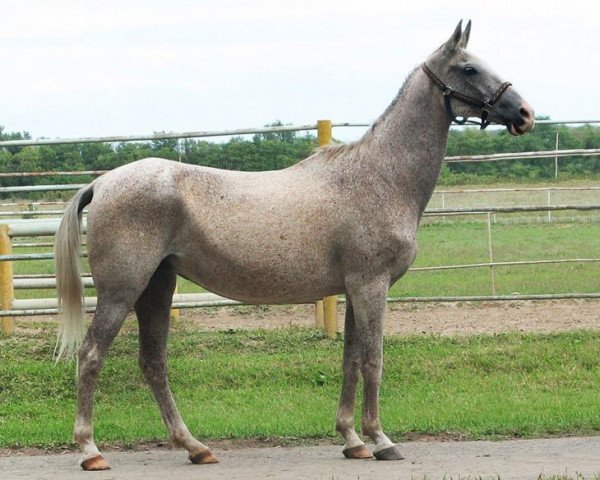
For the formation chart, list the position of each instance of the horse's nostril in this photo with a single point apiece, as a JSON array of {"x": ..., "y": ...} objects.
[{"x": 525, "y": 113}]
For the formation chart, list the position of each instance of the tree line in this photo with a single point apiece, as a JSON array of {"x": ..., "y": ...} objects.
[{"x": 270, "y": 151}]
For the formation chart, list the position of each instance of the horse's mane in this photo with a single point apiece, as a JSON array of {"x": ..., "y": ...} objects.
[{"x": 338, "y": 149}]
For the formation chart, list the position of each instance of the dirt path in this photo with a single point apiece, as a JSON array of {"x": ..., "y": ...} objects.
[
  {"x": 424, "y": 318},
  {"x": 459, "y": 318},
  {"x": 516, "y": 459}
]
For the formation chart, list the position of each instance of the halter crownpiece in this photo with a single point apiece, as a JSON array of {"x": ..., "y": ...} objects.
[{"x": 448, "y": 92}]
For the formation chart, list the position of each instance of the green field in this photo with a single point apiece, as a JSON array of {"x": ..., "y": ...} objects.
[
  {"x": 285, "y": 384},
  {"x": 466, "y": 243}
]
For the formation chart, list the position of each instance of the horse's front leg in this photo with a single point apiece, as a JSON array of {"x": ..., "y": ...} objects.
[
  {"x": 369, "y": 304},
  {"x": 354, "y": 447}
]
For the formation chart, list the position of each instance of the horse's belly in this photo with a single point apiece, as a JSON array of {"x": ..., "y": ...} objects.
[{"x": 260, "y": 277}]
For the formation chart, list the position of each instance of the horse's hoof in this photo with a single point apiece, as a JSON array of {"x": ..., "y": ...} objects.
[
  {"x": 390, "y": 453},
  {"x": 95, "y": 464},
  {"x": 203, "y": 458},
  {"x": 360, "y": 451}
]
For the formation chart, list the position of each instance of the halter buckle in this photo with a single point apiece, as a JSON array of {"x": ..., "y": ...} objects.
[
  {"x": 487, "y": 107},
  {"x": 447, "y": 91}
]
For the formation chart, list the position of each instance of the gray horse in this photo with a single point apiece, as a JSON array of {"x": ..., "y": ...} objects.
[{"x": 341, "y": 221}]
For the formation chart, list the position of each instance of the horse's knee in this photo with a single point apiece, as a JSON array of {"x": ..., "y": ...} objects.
[
  {"x": 154, "y": 369},
  {"x": 372, "y": 367}
]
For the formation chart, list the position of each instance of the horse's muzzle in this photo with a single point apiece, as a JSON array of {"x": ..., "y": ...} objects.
[{"x": 527, "y": 119}]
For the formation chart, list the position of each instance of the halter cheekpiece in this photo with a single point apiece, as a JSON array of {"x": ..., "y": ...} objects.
[{"x": 448, "y": 92}]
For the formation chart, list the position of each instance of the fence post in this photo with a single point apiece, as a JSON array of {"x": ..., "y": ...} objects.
[
  {"x": 556, "y": 158},
  {"x": 175, "y": 311},
  {"x": 319, "y": 314},
  {"x": 444, "y": 207},
  {"x": 7, "y": 324},
  {"x": 329, "y": 304},
  {"x": 491, "y": 252}
]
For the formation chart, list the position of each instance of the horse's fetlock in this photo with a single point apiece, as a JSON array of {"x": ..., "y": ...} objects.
[
  {"x": 343, "y": 425},
  {"x": 82, "y": 434},
  {"x": 370, "y": 427},
  {"x": 178, "y": 438}
]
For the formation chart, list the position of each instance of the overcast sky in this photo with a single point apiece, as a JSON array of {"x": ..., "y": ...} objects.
[{"x": 90, "y": 68}]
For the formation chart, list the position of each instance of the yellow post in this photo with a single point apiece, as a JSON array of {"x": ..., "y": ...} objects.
[
  {"x": 319, "y": 314},
  {"x": 330, "y": 315},
  {"x": 323, "y": 132},
  {"x": 7, "y": 324},
  {"x": 328, "y": 307},
  {"x": 175, "y": 311}
]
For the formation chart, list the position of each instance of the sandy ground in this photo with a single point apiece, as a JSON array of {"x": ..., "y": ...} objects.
[
  {"x": 458, "y": 318},
  {"x": 423, "y": 318},
  {"x": 508, "y": 460}
]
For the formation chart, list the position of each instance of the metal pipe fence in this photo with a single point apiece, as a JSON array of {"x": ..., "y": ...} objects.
[
  {"x": 168, "y": 135},
  {"x": 221, "y": 133}
]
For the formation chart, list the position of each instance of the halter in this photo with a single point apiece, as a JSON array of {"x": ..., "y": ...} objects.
[{"x": 486, "y": 107}]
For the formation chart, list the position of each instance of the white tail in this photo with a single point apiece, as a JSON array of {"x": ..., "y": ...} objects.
[{"x": 67, "y": 250}]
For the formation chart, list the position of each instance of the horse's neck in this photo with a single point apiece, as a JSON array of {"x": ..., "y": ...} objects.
[{"x": 409, "y": 141}]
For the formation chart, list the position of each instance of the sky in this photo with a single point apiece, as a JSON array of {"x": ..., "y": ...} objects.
[{"x": 93, "y": 68}]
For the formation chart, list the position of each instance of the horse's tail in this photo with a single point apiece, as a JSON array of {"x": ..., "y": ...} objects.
[{"x": 67, "y": 250}]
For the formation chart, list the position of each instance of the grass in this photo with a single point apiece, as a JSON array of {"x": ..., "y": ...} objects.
[
  {"x": 465, "y": 243},
  {"x": 264, "y": 384}
]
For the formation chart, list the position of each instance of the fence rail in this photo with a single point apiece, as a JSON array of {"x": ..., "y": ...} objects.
[
  {"x": 167, "y": 135},
  {"x": 492, "y": 157},
  {"x": 220, "y": 133}
]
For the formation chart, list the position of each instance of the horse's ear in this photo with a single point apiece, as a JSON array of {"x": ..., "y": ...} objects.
[
  {"x": 464, "y": 41},
  {"x": 453, "y": 42}
]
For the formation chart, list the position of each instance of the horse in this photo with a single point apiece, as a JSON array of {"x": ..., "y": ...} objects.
[{"x": 342, "y": 221}]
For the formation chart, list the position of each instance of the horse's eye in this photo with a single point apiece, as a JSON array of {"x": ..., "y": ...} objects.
[{"x": 470, "y": 70}]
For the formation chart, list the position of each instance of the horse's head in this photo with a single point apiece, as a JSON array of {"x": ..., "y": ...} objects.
[{"x": 469, "y": 88}]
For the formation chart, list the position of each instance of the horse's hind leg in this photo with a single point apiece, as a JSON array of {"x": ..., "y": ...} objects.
[
  {"x": 153, "y": 312},
  {"x": 107, "y": 321}
]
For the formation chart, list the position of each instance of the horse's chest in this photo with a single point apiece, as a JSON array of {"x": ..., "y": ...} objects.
[
  {"x": 402, "y": 253},
  {"x": 390, "y": 252}
]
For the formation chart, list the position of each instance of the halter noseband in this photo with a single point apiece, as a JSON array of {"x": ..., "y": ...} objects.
[{"x": 486, "y": 107}]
